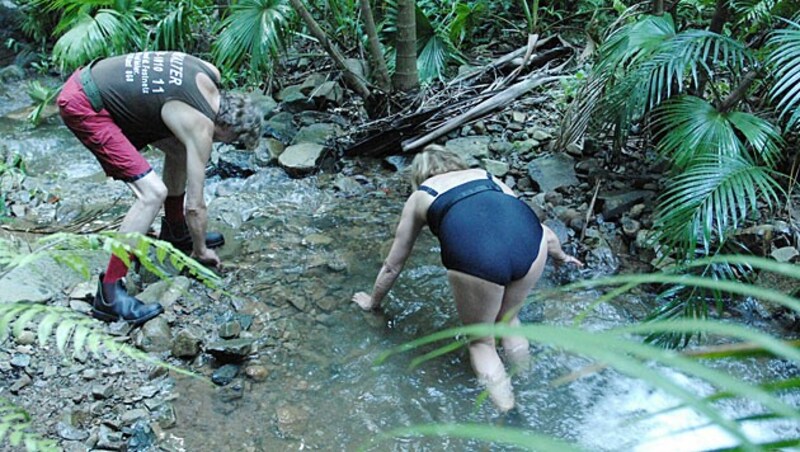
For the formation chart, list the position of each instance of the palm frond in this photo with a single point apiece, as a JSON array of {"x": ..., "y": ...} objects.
[
  {"x": 101, "y": 35},
  {"x": 709, "y": 198},
  {"x": 434, "y": 48},
  {"x": 785, "y": 59},
  {"x": 173, "y": 31},
  {"x": 754, "y": 13},
  {"x": 682, "y": 59},
  {"x": 42, "y": 96},
  {"x": 635, "y": 41},
  {"x": 467, "y": 17},
  {"x": 580, "y": 111},
  {"x": 254, "y": 32},
  {"x": 14, "y": 425},
  {"x": 690, "y": 127}
]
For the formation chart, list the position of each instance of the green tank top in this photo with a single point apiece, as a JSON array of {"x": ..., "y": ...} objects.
[{"x": 134, "y": 87}]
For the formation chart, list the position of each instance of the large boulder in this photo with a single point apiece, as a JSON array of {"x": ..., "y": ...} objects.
[
  {"x": 614, "y": 204},
  {"x": 301, "y": 159},
  {"x": 550, "y": 172},
  {"x": 317, "y": 133},
  {"x": 472, "y": 149}
]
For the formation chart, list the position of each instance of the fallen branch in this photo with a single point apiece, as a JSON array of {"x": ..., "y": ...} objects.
[{"x": 498, "y": 100}]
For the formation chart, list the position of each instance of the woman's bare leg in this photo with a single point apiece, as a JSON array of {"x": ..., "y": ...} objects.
[
  {"x": 516, "y": 347},
  {"x": 479, "y": 301}
]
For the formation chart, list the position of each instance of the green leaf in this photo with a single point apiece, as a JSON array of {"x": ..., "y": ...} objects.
[
  {"x": 46, "y": 328},
  {"x": 63, "y": 333}
]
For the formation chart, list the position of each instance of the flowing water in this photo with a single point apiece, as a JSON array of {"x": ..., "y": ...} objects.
[{"x": 299, "y": 249}]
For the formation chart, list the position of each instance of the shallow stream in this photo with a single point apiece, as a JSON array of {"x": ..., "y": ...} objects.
[{"x": 301, "y": 248}]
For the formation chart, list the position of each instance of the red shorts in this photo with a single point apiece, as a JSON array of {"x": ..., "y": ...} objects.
[{"x": 97, "y": 131}]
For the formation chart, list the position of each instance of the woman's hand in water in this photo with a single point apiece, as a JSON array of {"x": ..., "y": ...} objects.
[
  {"x": 567, "y": 259},
  {"x": 363, "y": 300}
]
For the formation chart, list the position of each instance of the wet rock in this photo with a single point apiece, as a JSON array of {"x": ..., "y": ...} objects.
[
  {"x": 26, "y": 284},
  {"x": 785, "y": 254},
  {"x": 317, "y": 133},
  {"x": 256, "y": 372},
  {"x": 630, "y": 227},
  {"x": 525, "y": 146},
  {"x": 553, "y": 171},
  {"x": 501, "y": 147},
  {"x": 301, "y": 159},
  {"x": 165, "y": 416},
  {"x": 348, "y": 186},
  {"x": 49, "y": 371},
  {"x": 518, "y": 116},
  {"x": 231, "y": 163},
  {"x": 396, "y": 162},
  {"x": 84, "y": 291},
  {"x": 102, "y": 391},
  {"x": 225, "y": 374},
  {"x": 21, "y": 360},
  {"x": 317, "y": 240},
  {"x": 281, "y": 127},
  {"x": 292, "y": 420},
  {"x": 268, "y": 151},
  {"x": 231, "y": 350},
  {"x": 636, "y": 211},
  {"x": 131, "y": 416},
  {"x": 21, "y": 382},
  {"x": 614, "y": 204},
  {"x": 70, "y": 433},
  {"x": 109, "y": 439},
  {"x": 328, "y": 93},
  {"x": 142, "y": 438},
  {"x": 293, "y": 99},
  {"x": 312, "y": 82},
  {"x": 155, "y": 335},
  {"x": 25, "y": 337},
  {"x": 12, "y": 73},
  {"x": 472, "y": 149},
  {"x": 186, "y": 344},
  {"x": 539, "y": 134},
  {"x": 80, "y": 306},
  {"x": 230, "y": 330},
  {"x": 496, "y": 167},
  {"x": 357, "y": 66},
  {"x": 166, "y": 292},
  {"x": 574, "y": 149},
  {"x": 265, "y": 104},
  {"x": 231, "y": 392}
]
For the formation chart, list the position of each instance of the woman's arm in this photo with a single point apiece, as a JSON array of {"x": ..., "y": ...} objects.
[
  {"x": 555, "y": 251},
  {"x": 411, "y": 222}
]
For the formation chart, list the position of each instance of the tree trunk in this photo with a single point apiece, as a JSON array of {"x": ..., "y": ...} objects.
[
  {"x": 739, "y": 92},
  {"x": 375, "y": 51},
  {"x": 717, "y": 24},
  {"x": 658, "y": 7},
  {"x": 406, "y": 76},
  {"x": 352, "y": 79}
]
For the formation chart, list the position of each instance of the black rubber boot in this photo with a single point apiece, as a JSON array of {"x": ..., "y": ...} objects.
[
  {"x": 181, "y": 239},
  {"x": 112, "y": 303}
]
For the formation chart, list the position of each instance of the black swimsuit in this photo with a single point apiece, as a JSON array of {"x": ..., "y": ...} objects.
[{"x": 484, "y": 232}]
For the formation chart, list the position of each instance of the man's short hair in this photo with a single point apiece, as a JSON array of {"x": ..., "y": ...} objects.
[{"x": 238, "y": 114}]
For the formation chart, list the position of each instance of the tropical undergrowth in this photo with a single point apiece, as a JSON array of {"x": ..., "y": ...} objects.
[
  {"x": 718, "y": 99},
  {"x": 73, "y": 333},
  {"x": 623, "y": 349}
]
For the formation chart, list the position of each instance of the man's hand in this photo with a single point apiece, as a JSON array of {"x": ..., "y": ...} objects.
[{"x": 208, "y": 258}]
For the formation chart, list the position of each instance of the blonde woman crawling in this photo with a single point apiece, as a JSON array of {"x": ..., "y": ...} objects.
[{"x": 493, "y": 246}]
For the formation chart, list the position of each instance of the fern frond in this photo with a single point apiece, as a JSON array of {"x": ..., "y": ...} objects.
[
  {"x": 14, "y": 425},
  {"x": 74, "y": 332}
]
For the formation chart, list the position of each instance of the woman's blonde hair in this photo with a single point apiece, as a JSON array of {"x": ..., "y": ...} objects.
[{"x": 432, "y": 161}]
